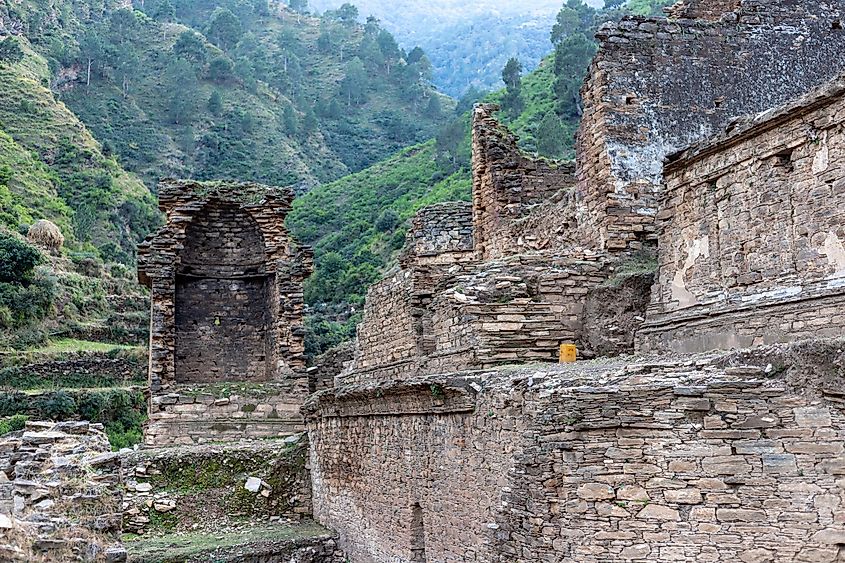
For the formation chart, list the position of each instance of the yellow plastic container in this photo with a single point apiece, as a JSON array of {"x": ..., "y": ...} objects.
[{"x": 568, "y": 353}]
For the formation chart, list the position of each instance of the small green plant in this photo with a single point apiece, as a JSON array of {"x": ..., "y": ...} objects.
[
  {"x": 437, "y": 391},
  {"x": 12, "y": 423}
]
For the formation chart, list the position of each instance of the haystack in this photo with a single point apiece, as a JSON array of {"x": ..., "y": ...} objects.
[{"x": 47, "y": 235}]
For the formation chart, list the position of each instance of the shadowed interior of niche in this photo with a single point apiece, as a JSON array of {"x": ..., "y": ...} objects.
[{"x": 223, "y": 297}]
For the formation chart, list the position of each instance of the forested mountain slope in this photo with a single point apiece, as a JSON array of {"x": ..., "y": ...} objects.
[
  {"x": 253, "y": 91},
  {"x": 468, "y": 42},
  {"x": 52, "y": 167}
]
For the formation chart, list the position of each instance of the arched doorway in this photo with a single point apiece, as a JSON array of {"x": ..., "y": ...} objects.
[{"x": 223, "y": 299}]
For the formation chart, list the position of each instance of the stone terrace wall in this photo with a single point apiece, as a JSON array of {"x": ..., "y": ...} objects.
[
  {"x": 750, "y": 251},
  {"x": 778, "y": 50},
  {"x": 720, "y": 458},
  {"x": 507, "y": 186}
]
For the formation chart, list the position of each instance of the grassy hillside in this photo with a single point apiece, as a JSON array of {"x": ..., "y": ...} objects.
[
  {"x": 51, "y": 167},
  {"x": 269, "y": 94}
]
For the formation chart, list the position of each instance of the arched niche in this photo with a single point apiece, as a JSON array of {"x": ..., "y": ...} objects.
[{"x": 223, "y": 299}]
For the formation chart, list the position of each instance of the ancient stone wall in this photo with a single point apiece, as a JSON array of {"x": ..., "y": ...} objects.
[
  {"x": 507, "y": 186},
  {"x": 225, "y": 412},
  {"x": 750, "y": 251},
  {"x": 515, "y": 310},
  {"x": 440, "y": 234},
  {"x": 227, "y": 306},
  {"x": 388, "y": 336},
  {"x": 737, "y": 457},
  {"x": 413, "y": 475},
  {"x": 199, "y": 488},
  {"x": 779, "y": 50},
  {"x": 60, "y": 494},
  {"x": 329, "y": 365}
]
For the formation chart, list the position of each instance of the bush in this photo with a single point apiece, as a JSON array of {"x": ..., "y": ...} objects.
[
  {"x": 24, "y": 338},
  {"x": 23, "y": 305},
  {"x": 13, "y": 423},
  {"x": 58, "y": 406},
  {"x": 387, "y": 221},
  {"x": 17, "y": 260},
  {"x": 121, "y": 411}
]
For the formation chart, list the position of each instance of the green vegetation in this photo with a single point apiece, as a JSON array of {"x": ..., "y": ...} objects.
[
  {"x": 55, "y": 366},
  {"x": 26, "y": 294},
  {"x": 353, "y": 237},
  {"x": 468, "y": 42},
  {"x": 639, "y": 264},
  {"x": 66, "y": 345},
  {"x": 51, "y": 167},
  {"x": 122, "y": 411},
  {"x": 233, "y": 90},
  {"x": 198, "y": 546},
  {"x": 12, "y": 423}
]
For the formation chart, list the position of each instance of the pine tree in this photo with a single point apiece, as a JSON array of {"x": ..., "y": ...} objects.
[
  {"x": 180, "y": 87},
  {"x": 220, "y": 69},
  {"x": 224, "y": 28},
  {"x": 215, "y": 103},
  {"x": 512, "y": 76},
  {"x": 572, "y": 59},
  {"x": 289, "y": 120},
  {"x": 389, "y": 49},
  {"x": 91, "y": 50},
  {"x": 165, "y": 12},
  {"x": 551, "y": 136},
  {"x": 189, "y": 46},
  {"x": 354, "y": 84},
  {"x": 348, "y": 14}
]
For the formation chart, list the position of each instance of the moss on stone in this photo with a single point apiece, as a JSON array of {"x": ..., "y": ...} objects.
[{"x": 200, "y": 546}]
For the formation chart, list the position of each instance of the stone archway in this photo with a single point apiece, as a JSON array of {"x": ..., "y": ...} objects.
[{"x": 223, "y": 299}]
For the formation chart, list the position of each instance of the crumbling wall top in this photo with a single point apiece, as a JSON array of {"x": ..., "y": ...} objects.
[
  {"x": 440, "y": 233},
  {"x": 187, "y": 202},
  {"x": 174, "y": 193},
  {"x": 711, "y": 10}
]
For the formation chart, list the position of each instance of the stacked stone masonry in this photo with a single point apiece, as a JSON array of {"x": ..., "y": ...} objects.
[
  {"x": 60, "y": 494},
  {"x": 214, "y": 487},
  {"x": 229, "y": 412},
  {"x": 735, "y": 457},
  {"x": 639, "y": 105},
  {"x": 507, "y": 186},
  {"x": 440, "y": 234},
  {"x": 227, "y": 306},
  {"x": 503, "y": 284},
  {"x": 750, "y": 250}
]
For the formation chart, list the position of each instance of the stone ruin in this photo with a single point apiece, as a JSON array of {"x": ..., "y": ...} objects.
[
  {"x": 227, "y": 339},
  {"x": 60, "y": 496},
  {"x": 682, "y": 232},
  {"x": 694, "y": 256}
]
